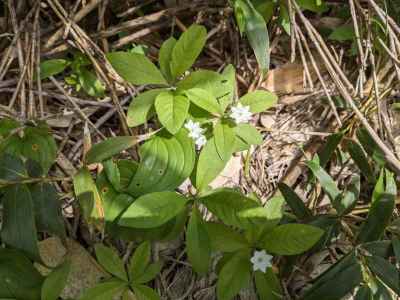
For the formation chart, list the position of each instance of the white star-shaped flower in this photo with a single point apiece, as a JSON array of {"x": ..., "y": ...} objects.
[
  {"x": 261, "y": 261},
  {"x": 241, "y": 114},
  {"x": 200, "y": 141},
  {"x": 195, "y": 131}
]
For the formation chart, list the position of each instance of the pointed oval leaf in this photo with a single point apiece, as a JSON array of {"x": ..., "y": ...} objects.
[
  {"x": 166, "y": 161},
  {"x": 55, "y": 282},
  {"x": 198, "y": 246},
  {"x": 187, "y": 49},
  {"x": 104, "y": 291},
  {"x": 150, "y": 273},
  {"x": 209, "y": 165},
  {"x": 268, "y": 285},
  {"x": 90, "y": 83},
  {"x": 325, "y": 180},
  {"x": 19, "y": 279},
  {"x": 259, "y": 101},
  {"x": 224, "y": 238},
  {"x": 153, "y": 210},
  {"x": 224, "y": 138},
  {"x": 18, "y": 224},
  {"x": 139, "y": 261},
  {"x": 295, "y": 202},
  {"x": 47, "y": 205},
  {"x": 110, "y": 261},
  {"x": 381, "y": 209},
  {"x": 204, "y": 99},
  {"x": 171, "y": 110},
  {"x": 165, "y": 56},
  {"x": 143, "y": 292},
  {"x": 226, "y": 203},
  {"x": 291, "y": 239},
  {"x": 248, "y": 134},
  {"x": 234, "y": 276},
  {"x": 141, "y": 107},
  {"x": 110, "y": 147},
  {"x": 135, "y": 68},
  {"x": 385, "y": 271},
  {"x": 52, "y": 67},
  {"x": 89, "y": 198}
]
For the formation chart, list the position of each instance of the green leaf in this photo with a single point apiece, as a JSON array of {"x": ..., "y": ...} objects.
[
  {"x": 337, "y": 281},
  {"x": 152, "y": 210},
  {"x": 166, "y": 161},
  {"x": 165, "y": 56},
  {"x": 141, "y": 107},
  {"x": 18, "y": 277},
  {"x": 198, "y": 246},
  {"x": 343, "y": 33},
  {"x": 7, "y": 125},
  {"x": 396, "y": 248},
  {"x": 204, "y": 99},
  {"x": 385, "y": 271},
  {"x": 325, "y": 180},
  {"x": 127, "y": 169},
  {"x": 348, "y": 199},
  {"x": 187, "y": 49},
  {"x": 55, "y": 282},
  {"x": 90, "y": 83},
  {"x": 381, "y": 209},
  {"x": 110, "y": 147},
  {"x": 363, "y": 293},
  {"x": 104, "y": 291},
  {"x": 18, "y": 223},
  {"x": 248, "y": 134},
  {"x": 11, "y": 168},
  {"x": 265, "y": 8},
  {"x": 135, "y": 68},
  {"x": 39, "y": 145},
  {"x": 295, "y": 202},
  {"x": 234, "y": 276},
  {"x": 263, "y": 219},
  {"x": 313, "y": 6},
  {"x": 227, "y": 87},
  {"x": 331, "y": 145},
  {"x": 209, "y": 165},
  {"x": 139, "y": 261},
  {"x": 291, "y": 239},
  {"x": 114, "y": 203},
  {"x": 224, "y": 238},
  {"x": 226, "y": 203},
  {"x": 224, "y": 138},
  {"x": 171, "y": 110},
  {"x": 52, "y": 67},
  {"x": 371, "y": 147},
  {"x": 89, "y": 198},
  {"x": 357, "y": 154},
  {"x": 259, "y": 101},
  {"x": 250, "y": 21},
  {"x": 222, "y": 87},
  {"x": 150, "y": 273},
  {"x": 143, "y": 292},
  {"x": 268, "y": 285},
  {"x": 47, "y": 207},
  {"x": 113, "y": 175},
  {"x": 110, "y": 261}
]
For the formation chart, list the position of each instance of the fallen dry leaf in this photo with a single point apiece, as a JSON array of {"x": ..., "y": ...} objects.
[{"x": 85, "y": 271}]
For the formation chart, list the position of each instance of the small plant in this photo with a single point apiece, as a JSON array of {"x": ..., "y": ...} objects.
[
  {"x": 138, "y": 200},
  {"x": 30, "y": 201},
  {"x": 128, "y": 283},
  {"x": 80, "y": 77}
]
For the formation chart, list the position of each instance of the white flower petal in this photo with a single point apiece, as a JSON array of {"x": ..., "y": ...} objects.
[{"x": 261, "y": 261}]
